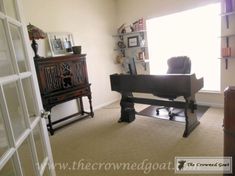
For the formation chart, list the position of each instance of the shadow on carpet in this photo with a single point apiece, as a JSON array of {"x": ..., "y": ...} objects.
[{"x": 163, "y": 114}]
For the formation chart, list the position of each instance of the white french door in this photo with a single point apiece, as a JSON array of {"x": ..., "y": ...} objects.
[{"x": 24, "y": 142}]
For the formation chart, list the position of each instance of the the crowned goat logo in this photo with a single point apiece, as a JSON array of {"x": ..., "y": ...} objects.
[{"x": 181, "y": 164}]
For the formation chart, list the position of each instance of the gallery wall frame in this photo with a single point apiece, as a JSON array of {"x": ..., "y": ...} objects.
[{"x": 133, "y": 41}]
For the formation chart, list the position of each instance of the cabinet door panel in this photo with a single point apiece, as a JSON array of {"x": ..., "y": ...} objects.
[
  {"x": 66, "y": 73},
  {"x": 80, "y": 76},
  {"x": 50, "y": 78}
]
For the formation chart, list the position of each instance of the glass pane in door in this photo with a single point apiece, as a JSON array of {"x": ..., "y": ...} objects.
[
  {"x": 5, "y": 58},
  {"x": 18, "y": 47},
  {"x": 39, "y": 144},
  {"x": 14, "y": 108},
  {"x": 20, "y": 159},
  {"x": 26, "y": 159},
  {"x": 8, "y": 169},
  {"x": 3, "y": 138},
  {"x": 29, "y": 96},
  {"x": 10, "y": 8}
]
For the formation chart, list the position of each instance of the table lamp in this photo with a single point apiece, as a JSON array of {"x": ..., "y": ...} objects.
[{"x": 34, "y": 34}]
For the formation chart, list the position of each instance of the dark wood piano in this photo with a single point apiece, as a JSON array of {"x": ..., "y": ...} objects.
[{"x": 161, "y": 86}]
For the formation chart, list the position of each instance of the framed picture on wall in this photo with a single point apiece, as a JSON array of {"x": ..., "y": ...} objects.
[
  {"x": 133, "y": 41},
  {"x": 60, "y": 43}
]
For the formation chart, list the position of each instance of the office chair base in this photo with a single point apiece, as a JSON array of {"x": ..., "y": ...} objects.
[
  {"x": 171, "y": 114},
  {"x": 158, "y": 109}
]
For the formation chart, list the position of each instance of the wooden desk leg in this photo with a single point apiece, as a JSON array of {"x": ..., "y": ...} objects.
[
  {"x": 91, "y": 109},
  {"x": 191, "y": 121},
  {"x": 127, "y": 109}
]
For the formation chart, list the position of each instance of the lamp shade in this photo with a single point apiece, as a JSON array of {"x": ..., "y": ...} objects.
[{"x": 35, "y": 32}]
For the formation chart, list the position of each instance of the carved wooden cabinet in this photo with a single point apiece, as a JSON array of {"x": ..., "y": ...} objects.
[{"x": 62, "y": 79}]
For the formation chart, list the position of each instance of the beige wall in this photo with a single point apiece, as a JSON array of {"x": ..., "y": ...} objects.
[
  {"x": 131, "y": 10},
  {"x": 92, "y": 23}
]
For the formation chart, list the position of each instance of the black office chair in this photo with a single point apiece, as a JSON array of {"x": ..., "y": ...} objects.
[{"x": 176, "y": 65}]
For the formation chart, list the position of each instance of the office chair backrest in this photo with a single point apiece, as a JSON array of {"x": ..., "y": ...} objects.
[{"x": 179, "y": 65}]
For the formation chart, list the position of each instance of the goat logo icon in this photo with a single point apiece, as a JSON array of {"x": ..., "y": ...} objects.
[
  {"x": 181, "y": 164},
  {"x": 203, "y": 165}
]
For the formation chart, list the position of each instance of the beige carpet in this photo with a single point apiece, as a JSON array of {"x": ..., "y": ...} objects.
[{"x": 102, "y": 140}]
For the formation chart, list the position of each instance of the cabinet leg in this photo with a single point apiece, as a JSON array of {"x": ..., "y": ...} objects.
[
  {"x": 91, "y": 109},
  {"x": 81, "y": 106},
  {"x": 51, "y": 130}
]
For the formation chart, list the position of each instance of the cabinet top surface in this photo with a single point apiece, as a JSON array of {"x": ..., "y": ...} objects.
[{"x": 60, "y": 58}]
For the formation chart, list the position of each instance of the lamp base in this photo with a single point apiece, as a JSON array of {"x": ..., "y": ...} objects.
[{"x": 34, "y": 45}]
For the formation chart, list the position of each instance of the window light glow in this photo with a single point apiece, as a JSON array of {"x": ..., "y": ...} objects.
[{"x": 193, "y": 33}]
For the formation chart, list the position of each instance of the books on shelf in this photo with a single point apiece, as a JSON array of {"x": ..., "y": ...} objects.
[
  {"x": 226, "y": 52},
  {"x": 139, "y": 25}
]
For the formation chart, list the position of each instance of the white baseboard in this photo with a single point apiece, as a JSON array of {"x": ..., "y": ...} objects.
[
  {"x": 215, "y": 105},
  {"x": 106, "y": 104}
]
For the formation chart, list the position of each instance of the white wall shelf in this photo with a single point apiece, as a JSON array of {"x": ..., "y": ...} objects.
[
  {"x": 129, "y": 33},
  {"x": 226, "y": 58},
  {"x": 142, "y": 61},
  {"x": 228, "y": 13},
  {"x": 227, "y": 36},
  {"x": 139, "y": 52},
  {"x": 140, "y": 47}
]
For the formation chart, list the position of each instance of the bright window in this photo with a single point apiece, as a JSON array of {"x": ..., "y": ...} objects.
[{"x": 193, "y": 33}]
